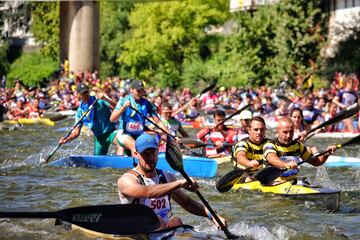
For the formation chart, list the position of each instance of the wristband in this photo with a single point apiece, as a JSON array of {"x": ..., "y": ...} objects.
[{"x": 210, "y": 216}]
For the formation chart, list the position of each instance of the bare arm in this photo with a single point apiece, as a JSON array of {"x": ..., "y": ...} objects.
[
  {"x": 321, "y": 159},
  {"x": 129, "y": 186},
  {"x": 117, "y": 113},
  {"x": 337, "y": 102},
  {"x": 244, "y": 161},
  {"x": 74, "y": 134},
  {"x": 275, "y": 161}
]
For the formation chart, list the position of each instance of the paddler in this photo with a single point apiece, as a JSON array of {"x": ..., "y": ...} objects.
[
  {"x": 131, "y": 123},
  {"x": 220, "y": 138},
  {"x": 97, "y": 120},
  {"x": 145, "y": 184},
  {"x": 248, "y": 153},
  {"x": 289, "y": 151}
]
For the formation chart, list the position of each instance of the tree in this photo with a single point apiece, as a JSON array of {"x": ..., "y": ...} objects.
[
  {"x": 164, "y": 35},
  {"x": 46, "y": 27},
  {"x": 114, "y": 30}
]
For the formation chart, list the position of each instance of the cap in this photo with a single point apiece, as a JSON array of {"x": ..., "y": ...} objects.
[
  {"x": 246, "y": 114},
  {"x": 82, "y": 88},
  {"x": 137, "y": 84},
  {"x": 145, "y": 141}
]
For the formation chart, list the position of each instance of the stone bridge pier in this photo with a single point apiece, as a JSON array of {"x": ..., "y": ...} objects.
[{"x": 79, "y": 34}]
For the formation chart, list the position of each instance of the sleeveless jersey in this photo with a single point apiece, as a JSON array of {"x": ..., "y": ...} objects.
[
  {"x": 252, "y": 150},
  {"x": 161, "y": 206}
]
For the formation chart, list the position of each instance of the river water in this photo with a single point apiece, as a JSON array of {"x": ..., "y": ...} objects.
[{"x": 26, "y": 186}]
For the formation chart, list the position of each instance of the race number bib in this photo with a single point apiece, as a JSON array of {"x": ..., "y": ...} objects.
[
  {"x": 134, "y": 127},
  {"x": 161, "y": 206}
]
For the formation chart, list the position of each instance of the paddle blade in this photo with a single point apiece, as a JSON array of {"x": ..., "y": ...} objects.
[
  {"x": 173, "y": 154},
  {"x": 56, "y": 118},
  {"x": 113, "y": 219},
  {"x": 118, "y": 219},
  {"x": 268, "y": 175},
  {"x": 228, "y": 180},
  {"x": 354, "y": 140},
  {"x": 209, "y": 87},
  {"x": 193, "y": 142}
]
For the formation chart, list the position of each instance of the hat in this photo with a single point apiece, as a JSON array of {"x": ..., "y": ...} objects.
[
  {"x": 82, "y": 88},
  {"x": 246, "y": 114},
  {"x": 137, "y": 84},
  {"x": 145, "y": 141}
]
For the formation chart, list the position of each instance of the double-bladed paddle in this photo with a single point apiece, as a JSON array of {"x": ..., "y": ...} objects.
[
  {"x": 174, "y": 158},
  {"x": 209, "y": 87},
  {"x": 119, "y": 219},
  {"x": 46, "y": 160},
  {"x": 226, "y": 182},
  {"x": 348, "y": 112},
  {"x": 269, "y": 174}
]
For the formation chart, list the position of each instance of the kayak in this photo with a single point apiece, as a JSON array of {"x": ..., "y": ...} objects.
[
  {"x": 194, "y": 166},
  {"x": 335, "y": 135},
  {"x": 338, "y": 161},
  {"x": 297, "y": 189},
  {"x": 182, "y": 232},
  {"x": 45, "y": 121}
]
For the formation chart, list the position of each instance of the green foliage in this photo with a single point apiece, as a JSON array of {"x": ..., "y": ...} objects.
[
  {"x": 114, "y": 27},
  {"x": 32, "y": 69},
  {"x": 299, "y": 38},
  {"x": 164, "y": 35},
  {"x": 46, "y": 27}
]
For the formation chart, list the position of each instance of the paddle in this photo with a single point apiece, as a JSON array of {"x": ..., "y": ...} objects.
[
  {"x": 46, "y": 160},
  {"x": 225, "y": 119},
  {"x": 348, "y": 112},
  {"x": 161, "y": 129},
  {"x": 193, "y": 142},
  {"x": 228, "y": 180},
  {"x": 58, "y": 117},
  {"x": 269, "y": 174},
  {"x": 119, "y": 219},
  {"x": 174, "y": 158},
  {"x": 209, "y": 87}
]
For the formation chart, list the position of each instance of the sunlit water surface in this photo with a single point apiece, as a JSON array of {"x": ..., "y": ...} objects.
[{"x": 26, "y": 186}]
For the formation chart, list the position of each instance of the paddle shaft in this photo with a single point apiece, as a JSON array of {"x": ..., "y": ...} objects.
[
  {"x": 161, "y": 129},
  {"x": 71, "y": 130},
  {"x": 225, "y": 119},
  {"x": 207, "y": 205},
  {"x": 351, "y": 110},
  {"x": 29, "y": 215},
  {"x": 184, "y": 174}
]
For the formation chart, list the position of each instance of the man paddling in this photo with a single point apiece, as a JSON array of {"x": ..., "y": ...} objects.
[
  {"x": 145, "y": 184},
  {"x": 97, "y": 120},
  {"x": 130, "y": 122},
  {"x": 284, "y": 148},
  {"x": 248, "y": 153}
]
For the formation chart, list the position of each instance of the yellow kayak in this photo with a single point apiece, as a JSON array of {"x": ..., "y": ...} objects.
[
  {"x": 182, "y": 232},
  {"x": 297, "y": 189},
  {"x": 45, "y": 121}
]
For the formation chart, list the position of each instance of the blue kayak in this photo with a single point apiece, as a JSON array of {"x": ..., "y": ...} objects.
[
  {"x": 338, "y": 161},
  {"x": 194, "y": 166}
]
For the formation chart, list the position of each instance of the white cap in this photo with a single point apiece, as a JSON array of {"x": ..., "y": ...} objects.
[{"x": 246, "y": 114}]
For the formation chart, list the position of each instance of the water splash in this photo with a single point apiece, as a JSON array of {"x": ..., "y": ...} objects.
[{"x": 322, "y": 178}]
